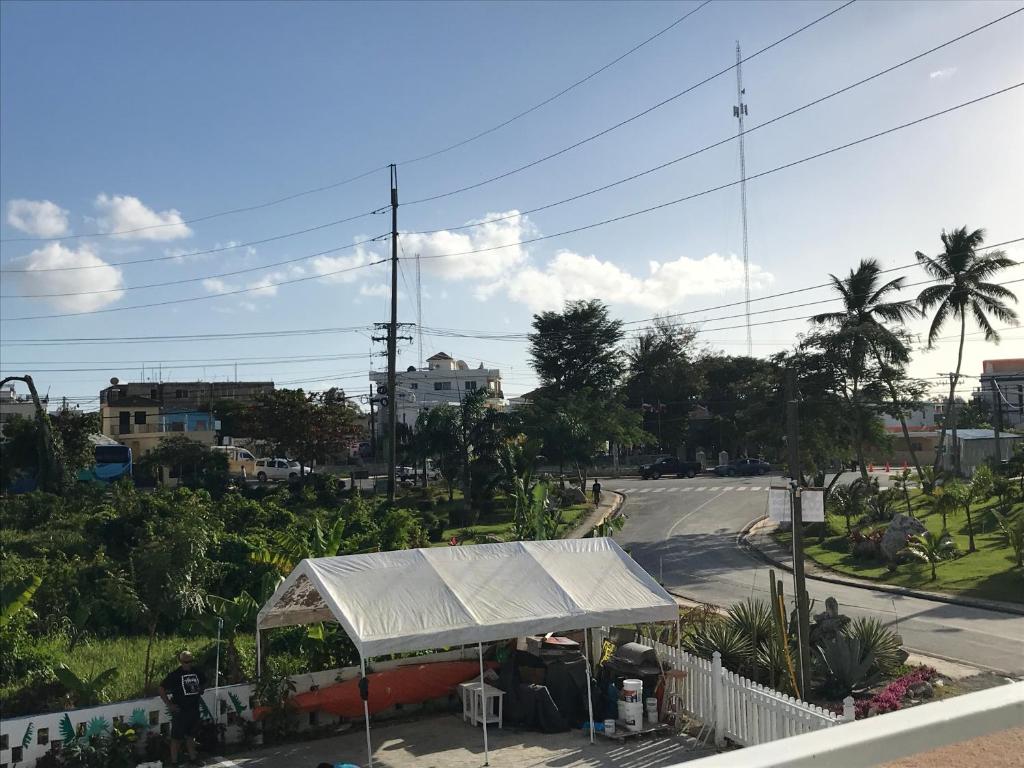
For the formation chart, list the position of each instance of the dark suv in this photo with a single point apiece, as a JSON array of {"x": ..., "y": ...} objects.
[
  {"x": 744, "y": 467},
  {"x": 670, "y": 465}
]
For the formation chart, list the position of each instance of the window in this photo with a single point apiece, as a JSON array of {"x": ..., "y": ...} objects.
[
  {"x": 261, "y": 463},
  {"x": 201, "y": 425},
  {"x": 471, "y": 386},
  {"x": 154, "y": 394},
  {"x": 124, "y": 422},
  {"x": 181, "y": 394},
  {"x": 177, "y": 426},
  {"x": 414, "y": 385},
  {"x": 43, "y": 736},
  {"x": 140, "y": 417},
  {"x": 245, "y": 456},
  {"x": 440, "y": 386}
]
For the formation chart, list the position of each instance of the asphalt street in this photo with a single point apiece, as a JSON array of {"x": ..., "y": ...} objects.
[{"x": 685, "y": 532}]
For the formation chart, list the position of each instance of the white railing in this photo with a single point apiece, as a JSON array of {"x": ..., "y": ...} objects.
[
  {"x": 739, "y": 709},
  {"x": 963, "y": 721}
]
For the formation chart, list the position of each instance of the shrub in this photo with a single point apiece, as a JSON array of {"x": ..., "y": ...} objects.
[
  {"x": 880, "y": 641},
  {"x": 720, "y": 635},
  {"x": 844, "y": 667},
  {"x": 891, "y": 697}
]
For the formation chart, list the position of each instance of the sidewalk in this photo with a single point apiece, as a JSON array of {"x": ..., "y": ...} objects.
[
  {"x": 757, "y": 537},
  {"x": 611, "y": 502}
]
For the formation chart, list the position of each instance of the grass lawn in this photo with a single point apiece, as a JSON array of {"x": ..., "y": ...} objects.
[
  {"x": 500, "y": 524},
  {"x": 988, "y": 573}
]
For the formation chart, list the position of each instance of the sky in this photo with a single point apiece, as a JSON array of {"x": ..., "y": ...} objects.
[{"x": 160, "y": 117}]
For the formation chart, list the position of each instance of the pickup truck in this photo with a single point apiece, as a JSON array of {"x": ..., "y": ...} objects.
[{"x": 670, "y": 465}]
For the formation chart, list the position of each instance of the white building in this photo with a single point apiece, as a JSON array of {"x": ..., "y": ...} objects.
[
  {"x": 1008, "y": 376},
  {"x": 11, "y": 405},
  {"x": 444, "y": 380}
]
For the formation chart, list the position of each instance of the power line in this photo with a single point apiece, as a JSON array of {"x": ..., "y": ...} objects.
[
  {"x": 199, "y": 279},
  {"x": 272, "y": 333},
  {"x": 194, "y": 298},
  {"x": 559, "y": 94},
  {"x": 727, "y": 185},
  {"x": 628, "y": 120},
  {"x": 357, "y": 177},
  {"x": 192, "y": 254}
]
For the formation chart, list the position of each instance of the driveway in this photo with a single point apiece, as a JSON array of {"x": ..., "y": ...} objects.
[{"x": 685, "y": 531}]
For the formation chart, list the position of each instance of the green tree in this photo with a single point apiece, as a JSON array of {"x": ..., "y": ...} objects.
[
  {"x": 860, "y": 329},
  {"x": 964, "y": 287},
  {"x": 577, "y": 349},
  {"x": 930, "y": 548},
  {"x": 304, "y": 425},
  {"x": 229, "y": 618},
  {"x": 439, "y": 432},
  {"x": 193, "y": 463}
]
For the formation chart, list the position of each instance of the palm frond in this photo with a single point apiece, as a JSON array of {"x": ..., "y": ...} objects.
[
  {"x": 938, "y": 320},
  {"x": 932, "y": 266}
]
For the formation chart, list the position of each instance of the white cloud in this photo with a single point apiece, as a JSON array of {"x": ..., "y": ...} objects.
[
  {"x": 570, "y": 276},
  {"x": 942, "y": 74},
  {"x": 122, "y": 213},
  {"x": 265, "y": 286},
  {"x": 483, "y": 265},
  {"x": 101, "y": 278},
  {"x": 39, "y": 218},
  {"x": 216, "y": 285},
  {"x": 343, "y": 269},
  {"x": 376, "y": 290}
]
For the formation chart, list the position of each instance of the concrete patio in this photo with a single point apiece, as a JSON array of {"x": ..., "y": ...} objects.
[{"x": 449, "y": 742}]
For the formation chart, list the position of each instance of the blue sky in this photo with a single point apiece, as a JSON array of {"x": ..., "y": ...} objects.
[{"x": 118, "y": 115}]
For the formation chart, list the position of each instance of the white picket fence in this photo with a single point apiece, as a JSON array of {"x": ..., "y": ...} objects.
[{"x": 740, "y": 709}]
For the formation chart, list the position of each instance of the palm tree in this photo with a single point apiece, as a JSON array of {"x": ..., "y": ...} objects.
[
  {"x": 963, "y": 288},
  {"x": 867, "y": 307},
  {"x": 930, "y": 548}
]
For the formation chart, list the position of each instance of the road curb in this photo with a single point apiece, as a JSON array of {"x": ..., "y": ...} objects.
[
  {"x": 583, "y": 529},
  {"x": 986, "y": 605}
]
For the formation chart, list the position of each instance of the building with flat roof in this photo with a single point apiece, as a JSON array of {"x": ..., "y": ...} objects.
[
  {"x": 445, "y": 380},
  {"x": 1002, "y": 383},
  {"x": 187, "y": 395}
]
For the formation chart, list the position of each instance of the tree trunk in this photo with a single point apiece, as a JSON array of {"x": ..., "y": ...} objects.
[
  {"x": 147, "y": 674},
  {"x": 932, "y": 563},
  {"x": 970, "y": 529},
  {"x": 951, "y": 402}
]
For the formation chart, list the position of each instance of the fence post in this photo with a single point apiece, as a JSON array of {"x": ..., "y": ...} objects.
[
  {"x": 849, "y": 711},
  {"x": 718, "y": 698}
]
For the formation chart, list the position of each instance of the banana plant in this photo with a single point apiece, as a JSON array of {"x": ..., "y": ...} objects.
[
  {"x": 291, "y": 547},
  {"x": 85, "y": 691},
  {"x": 230, "y": 617},
  {"x": 14, "y": 598}
]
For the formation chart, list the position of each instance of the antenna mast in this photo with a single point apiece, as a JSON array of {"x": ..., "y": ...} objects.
[
  {"x": 419, "y": 308},
  {"x": 739, "y": 112}
]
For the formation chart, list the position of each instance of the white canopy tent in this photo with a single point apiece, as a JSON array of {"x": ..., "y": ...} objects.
[{"x": 419, "y": 599}]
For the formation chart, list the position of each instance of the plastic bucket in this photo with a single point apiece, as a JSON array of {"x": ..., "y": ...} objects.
[
  {"x": 632, "y": 691},
  {"x": 609, "y": 727},
  {"x": 631, "y": 715}
]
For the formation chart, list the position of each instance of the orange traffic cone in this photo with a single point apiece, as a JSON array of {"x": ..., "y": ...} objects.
[
  {"x": 887, "y": 468},
  {"x": 871, "y": 467}
]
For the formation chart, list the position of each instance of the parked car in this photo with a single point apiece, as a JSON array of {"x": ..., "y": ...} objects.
[
  {"x": 279, "y": 469},
  {"x": 743, "y": 468},
  {"x": 239, "y": 459},
  {"x": 670, "y": 465}
]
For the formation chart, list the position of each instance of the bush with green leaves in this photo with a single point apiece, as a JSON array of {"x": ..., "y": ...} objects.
[
  {"x": 878, "y": 640},
  {"x": 844, "y": 666},
  {"x": 718, "y": 634}
]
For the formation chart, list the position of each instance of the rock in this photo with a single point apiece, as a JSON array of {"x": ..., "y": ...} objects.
[
  {"x": 921, "y": 690},
  {"x": 895, "y": 538},
  {"x": 939, "y": 683},
  {"x": 573, "y": 495}
]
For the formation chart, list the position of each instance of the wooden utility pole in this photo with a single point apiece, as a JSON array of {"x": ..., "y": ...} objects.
[
  {"x": 799, "y": 578},
  {"x": 952, "y": 418},
  {"x": 393, "y": 339}
]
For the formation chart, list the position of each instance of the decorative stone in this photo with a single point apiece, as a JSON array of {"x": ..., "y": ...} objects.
[
  {"x": 573, "y": 495},
  {"x": 895, "y": 538},
  {"x": 921, "y": 690}
]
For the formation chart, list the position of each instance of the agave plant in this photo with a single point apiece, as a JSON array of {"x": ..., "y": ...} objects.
[
  {"x": 844, "y": 667},
  {"x": 722, "y": 636},
  {"x": 878, "y": 640},
  {"x": 754, "y": 619}
]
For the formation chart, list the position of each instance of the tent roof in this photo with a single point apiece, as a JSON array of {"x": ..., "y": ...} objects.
[{"x": 416, "y": 599}]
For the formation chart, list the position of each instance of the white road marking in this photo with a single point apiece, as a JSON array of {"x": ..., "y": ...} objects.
[
  {"x": 673, "y": 489},
  {"x": 687, "y": 489},
  {"x": 701, "y": 488},
  {"x": 657, "y": 490},
  {"x": 730, "y": 488},
  {"x": 621, "y": 490},
  {"x": 696, "y": 509}
]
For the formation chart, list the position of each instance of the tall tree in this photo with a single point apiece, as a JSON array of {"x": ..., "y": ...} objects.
[
  {"x": 577, "y": 348},
  {"x": 963, "y": 288},
  {"x": 305, "y": 425},
  {"x": 868, "y": 304},
  {"x": 662, "y": 381}
]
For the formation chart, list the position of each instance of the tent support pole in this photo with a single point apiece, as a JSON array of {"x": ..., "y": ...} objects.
[
  {"x": 590, "y": 699},
  {"x": 483, "y": 702},
  {"x": 259, "y": 656},
  {"x": 366, "y": 715}
]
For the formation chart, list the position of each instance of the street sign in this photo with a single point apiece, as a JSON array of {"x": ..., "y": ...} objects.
[
  {"x": 779, "y": 508},
  {"x": 812, "y": 505}
]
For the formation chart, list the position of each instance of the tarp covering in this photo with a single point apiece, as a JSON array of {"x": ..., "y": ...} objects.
[{"x": 417, "y": 599}]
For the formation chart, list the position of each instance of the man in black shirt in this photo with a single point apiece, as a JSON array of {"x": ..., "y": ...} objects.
[{"x": 185, "y": 687}]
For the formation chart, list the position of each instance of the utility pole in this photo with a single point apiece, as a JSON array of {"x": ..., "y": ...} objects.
[
  {"x": 373, "y": 427},
  {"x": 952, "y": 417},
  {"x": 799, "y": 578},
  {"x": 739, "y": 112},
  {"x": 393, "y": 337},
  {"x": 997, "y": 420}
]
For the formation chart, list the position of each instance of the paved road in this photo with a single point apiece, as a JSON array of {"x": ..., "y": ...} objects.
[{"x": 686, "y": 531}]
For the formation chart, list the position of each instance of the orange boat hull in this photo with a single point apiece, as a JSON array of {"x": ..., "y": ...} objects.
[{"x": 411, "y": 684}]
